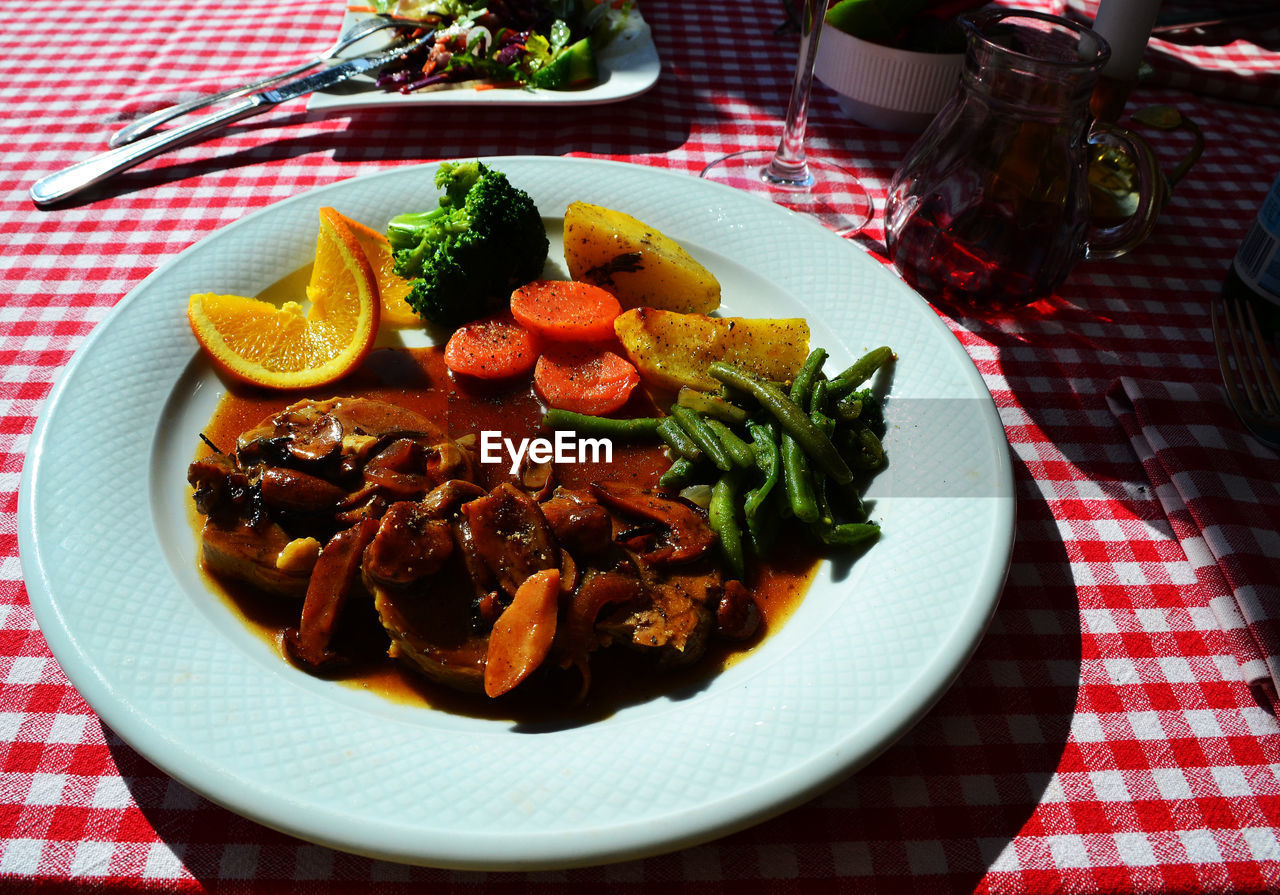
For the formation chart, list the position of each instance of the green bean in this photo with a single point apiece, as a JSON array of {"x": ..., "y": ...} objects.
[
  {"x": 868, "y": 452},
  {"x": 733, "y": 395},
  {"x": 738, "y": 450},
  {"x": 797, "y": 481},
  {"x": 696, "y": 428},
  {"x": 764, "y": 443},
  {"x": 817, "y": 410},
  {"x": 760, "y": 533},
  {"x": 641, "y": 427},
  {"x": 860, "y": 371},
  {"x": 820, "y": 484},
  {"x": 849, "y": 534},
  {"x": 722, "y": 514},
  {"x": 854, "y": 508},
  {"x": 794, "y": 420},
  {"x": 782, "y": 506},
  {"x": 761, "y": 527},
  {"x": 802, "y": 385},
  {"x": 679, "y": 474},
  {"x": 712, "y": 405},
  {"x": 680, "y": 443},
  {"x": 818, "y": 398}
]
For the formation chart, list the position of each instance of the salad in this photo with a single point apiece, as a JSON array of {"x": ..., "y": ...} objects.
[{"x": 547, "y": 44}]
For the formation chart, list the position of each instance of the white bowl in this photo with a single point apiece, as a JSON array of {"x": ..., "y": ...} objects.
[{"x": 886, "y": 88}]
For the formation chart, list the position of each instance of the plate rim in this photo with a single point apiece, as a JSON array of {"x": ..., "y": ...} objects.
[{"x": 619, "y": 842}]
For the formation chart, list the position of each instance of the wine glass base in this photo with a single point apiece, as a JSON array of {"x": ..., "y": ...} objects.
[{"x": 830, "y": 193}]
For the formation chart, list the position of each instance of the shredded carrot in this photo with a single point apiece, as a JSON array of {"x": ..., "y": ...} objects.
[{"x": 361, "y": 9}]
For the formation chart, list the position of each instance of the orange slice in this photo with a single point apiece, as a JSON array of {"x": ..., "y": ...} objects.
[
  {"x": 285, "y": 346},
  {"x": 392, "y": 288}
]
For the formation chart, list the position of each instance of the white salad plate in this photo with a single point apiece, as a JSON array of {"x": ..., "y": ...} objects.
[
  {"x": 629, "y": 66},
  {"x": 109, "y": 557}
]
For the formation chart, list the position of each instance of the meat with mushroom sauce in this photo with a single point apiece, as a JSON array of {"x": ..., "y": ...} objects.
[{"x": 352, "y": 499}]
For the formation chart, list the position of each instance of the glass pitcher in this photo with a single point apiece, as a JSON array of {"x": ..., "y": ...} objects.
[{"x": 990, "y": 208}]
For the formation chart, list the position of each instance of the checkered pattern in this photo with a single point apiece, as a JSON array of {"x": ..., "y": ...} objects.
[
  {"x": 1221, "y": 61},
  {"x": 1220, "y": 489},
  {"x": 1102, "y": 739}
]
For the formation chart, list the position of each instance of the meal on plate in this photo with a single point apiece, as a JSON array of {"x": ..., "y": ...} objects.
[
  {"x": 588, "y": 467},
  {"x": 547, "y": 44}
]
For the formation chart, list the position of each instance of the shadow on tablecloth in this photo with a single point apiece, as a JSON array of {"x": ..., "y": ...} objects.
[
  {"x": 417, "y": 135},
  {"x": 942, "y": 807}
]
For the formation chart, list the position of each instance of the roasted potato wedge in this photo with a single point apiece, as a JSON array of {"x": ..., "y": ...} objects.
[
  {"x": 639, "y": 265},
  {"x": 672, "y": 350}
]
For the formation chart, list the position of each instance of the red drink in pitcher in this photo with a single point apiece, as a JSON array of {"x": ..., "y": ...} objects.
[
  {"x": 990, "y": 208},
  {"x": 986, "y": 257}
]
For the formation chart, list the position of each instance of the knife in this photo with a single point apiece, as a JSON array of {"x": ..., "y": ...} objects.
[
  {"x": 148, "y": 124},
  {"x": 82, "y": 175}
]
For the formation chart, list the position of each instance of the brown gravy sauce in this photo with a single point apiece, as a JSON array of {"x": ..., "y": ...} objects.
[{"x": 418, "y": 379}]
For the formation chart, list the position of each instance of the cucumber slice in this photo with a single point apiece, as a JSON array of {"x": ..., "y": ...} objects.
[{"x": 573, "y": 66}]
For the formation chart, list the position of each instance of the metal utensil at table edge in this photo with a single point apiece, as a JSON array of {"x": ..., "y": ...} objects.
[
  {"x": 140, "y": 127},
  {"x": 82, "y": 175},
  {"x": 1249, "y": 377}
]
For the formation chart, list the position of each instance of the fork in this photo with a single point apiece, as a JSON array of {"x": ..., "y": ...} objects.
[
  {"x": 148, "y": 123},
  {"x": 1248, "y": 372}
]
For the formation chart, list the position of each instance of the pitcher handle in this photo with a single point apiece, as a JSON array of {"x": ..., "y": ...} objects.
[{"x": 1110, "y": 242}]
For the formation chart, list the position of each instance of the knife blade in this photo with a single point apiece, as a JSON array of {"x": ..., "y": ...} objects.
[
  {"x": 336, "y": 74},
  {"x": 82, "y": 175}
]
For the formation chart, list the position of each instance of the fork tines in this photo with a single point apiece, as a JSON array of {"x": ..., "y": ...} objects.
[{"x": 1249, "y": 374}]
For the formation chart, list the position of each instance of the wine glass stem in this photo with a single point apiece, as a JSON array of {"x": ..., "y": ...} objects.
[{"x": 788, "y": 165}]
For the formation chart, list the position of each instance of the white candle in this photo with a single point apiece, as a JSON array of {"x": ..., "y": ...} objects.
[{"x": 1126, "y": 26}]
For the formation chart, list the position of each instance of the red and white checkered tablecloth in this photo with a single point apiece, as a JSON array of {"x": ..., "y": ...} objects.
[
  {"x": 1235, "y": 59},
  {"x": 1102, "y": 739}
]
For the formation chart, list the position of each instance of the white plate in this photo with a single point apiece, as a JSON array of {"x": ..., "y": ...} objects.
[
  {"x": 108, "y": 556},
  {"x": 628, "y": 66}
]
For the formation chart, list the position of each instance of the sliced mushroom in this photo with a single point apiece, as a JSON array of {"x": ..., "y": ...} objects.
[
  {"x": 509, "y": 535},
  {"x": 685, "y": 535},
  {"x": 445, "y": 498},
  {"x": 400, "y": 469},
  {"x": 522, "y": 635},
  {"x": 409, "y": 545},
  {"x": 299, "y": 492},
  {"x": 222, "y": 489},
  {"x": 737, "y": 614},
  {"x": 331, "y": 582},
  {"x": 578, "y": 521},
  {"x": 578, "y": 637},
  {"x": 303, "y": 433}
]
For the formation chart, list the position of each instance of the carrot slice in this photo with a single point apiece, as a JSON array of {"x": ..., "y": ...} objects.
[
  {"x": 491, "y": 348},
  {"x": 584, "y": 379},
  {"x": 523, "y": 634},
  {"x": 566, "y": 311}
]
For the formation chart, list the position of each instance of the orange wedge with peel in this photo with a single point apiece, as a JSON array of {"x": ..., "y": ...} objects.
[
  {"x": 285, "y": 346},
  {"x": 391, "y": 288}
]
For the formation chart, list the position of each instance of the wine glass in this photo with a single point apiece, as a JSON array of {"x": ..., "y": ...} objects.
[{"x": 786, "y": 175}]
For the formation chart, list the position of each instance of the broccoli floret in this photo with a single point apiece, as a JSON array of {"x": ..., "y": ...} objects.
[{"x": 463, "y": 258}]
